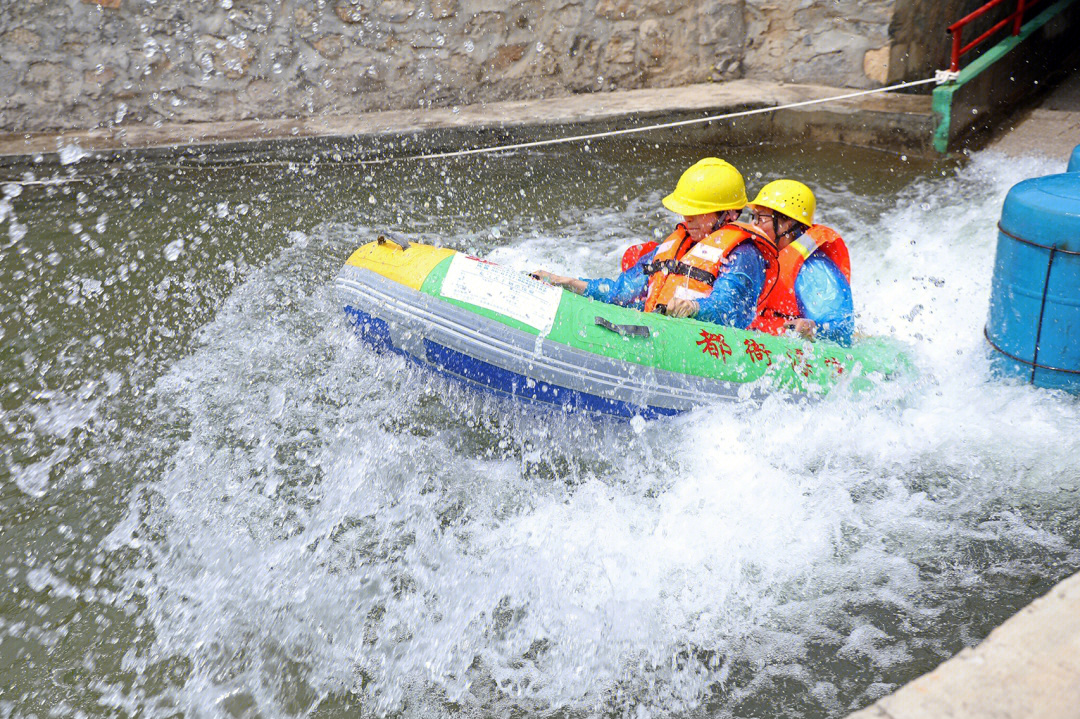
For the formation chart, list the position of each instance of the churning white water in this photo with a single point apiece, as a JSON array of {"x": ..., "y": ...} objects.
[{"x": 310, "y": 528}]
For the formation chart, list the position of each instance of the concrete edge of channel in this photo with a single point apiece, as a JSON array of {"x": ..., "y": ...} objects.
[
  {"x": 1029, "y": 666},
  {"x": 896, "y": 122}
]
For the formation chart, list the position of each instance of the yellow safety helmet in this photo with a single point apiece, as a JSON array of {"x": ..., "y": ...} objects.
[
  {"x": 789, "y": 197},
  {"x": 710, "y": 185}
]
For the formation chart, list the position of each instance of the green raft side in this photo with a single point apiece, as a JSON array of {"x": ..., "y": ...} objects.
[{"x": 703, "y": 349}]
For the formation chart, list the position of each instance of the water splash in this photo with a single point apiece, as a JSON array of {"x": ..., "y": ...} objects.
[
  {"x": 71, "y": 154},
  {"x": 313, "y": 525}
]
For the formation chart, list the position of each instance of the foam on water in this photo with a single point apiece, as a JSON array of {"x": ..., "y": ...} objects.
[{"x": 333, "y": 528}]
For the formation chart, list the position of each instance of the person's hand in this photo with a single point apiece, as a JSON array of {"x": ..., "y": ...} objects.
[
  {"x": 803, "y": 327},
  {"x": 682, "y": 308},
  {"x": 574, "y": 285},
  {"x": 543, "y": 275}
]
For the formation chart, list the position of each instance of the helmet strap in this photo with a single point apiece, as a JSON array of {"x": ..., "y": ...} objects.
[
  {"x": 723, "y": 218},
  {"x": 798, "y": 228}
]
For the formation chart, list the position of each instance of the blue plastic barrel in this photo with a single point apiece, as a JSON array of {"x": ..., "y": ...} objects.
[
  {"x": 1074, "y": 161},
  {"x": 1034, "y": 321}
]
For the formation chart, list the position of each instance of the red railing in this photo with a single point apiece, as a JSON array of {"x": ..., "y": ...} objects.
[{"x": 1016, "y": 17}]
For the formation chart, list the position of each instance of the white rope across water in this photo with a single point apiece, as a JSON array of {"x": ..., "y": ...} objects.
[
  {"x": 30, "y": 183},
  {"x": 646, "y": 128},
  {"x": 606, "y": 133},
  {"x": 557, "y": 140}
]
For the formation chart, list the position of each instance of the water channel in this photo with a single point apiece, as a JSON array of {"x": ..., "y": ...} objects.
[{"x": 215, "y": 501}]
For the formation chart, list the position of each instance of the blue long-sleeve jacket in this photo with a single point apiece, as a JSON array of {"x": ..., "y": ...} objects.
[
  {"x": 824, "y": 296},
  {"x": 732, "y": 302}
]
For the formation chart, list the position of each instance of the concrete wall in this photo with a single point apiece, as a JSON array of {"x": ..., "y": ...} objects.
[{"x": 99, "y": 63}]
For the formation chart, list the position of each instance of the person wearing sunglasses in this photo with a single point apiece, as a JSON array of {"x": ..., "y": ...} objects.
[
  {"x": 812, "y": 295},
  {"x": 711, "y": 267}
]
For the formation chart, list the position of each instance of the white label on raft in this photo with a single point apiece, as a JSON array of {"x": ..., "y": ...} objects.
[{"x": 502, "y": 290}]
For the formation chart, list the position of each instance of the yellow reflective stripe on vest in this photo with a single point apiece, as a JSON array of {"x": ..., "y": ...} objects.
[{"x": 804, "y": 248}]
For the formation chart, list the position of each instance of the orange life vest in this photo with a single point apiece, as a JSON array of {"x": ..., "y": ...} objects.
[
  {"x": 634, "y": 253},
  {"x": 684, "y": 269},
  {"x": 781, "y": 305}
]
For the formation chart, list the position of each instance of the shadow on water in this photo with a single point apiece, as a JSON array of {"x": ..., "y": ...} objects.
[{"x": 216, "y": 501}]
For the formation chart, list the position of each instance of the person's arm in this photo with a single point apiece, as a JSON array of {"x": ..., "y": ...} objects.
[
  {"x": 574, "y": 285},
  {"x": 628, "y": 289},
  {"x": 824, "y": 296},
  {"x": 734, "y": 297}
]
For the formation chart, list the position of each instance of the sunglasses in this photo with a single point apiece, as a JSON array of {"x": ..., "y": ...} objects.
[{"x": 757, "y": 216}]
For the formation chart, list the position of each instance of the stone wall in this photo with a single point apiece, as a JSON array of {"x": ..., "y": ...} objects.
[
  {"x": 99, "y": 63},
  {"x": 816, "y": 42}
]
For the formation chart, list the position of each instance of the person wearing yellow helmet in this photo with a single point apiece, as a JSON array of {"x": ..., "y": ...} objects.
[
  {"x": 812, "y": 295},
  {"x": 711, "y": 267}
]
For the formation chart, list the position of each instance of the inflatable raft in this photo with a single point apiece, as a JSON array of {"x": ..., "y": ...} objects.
[{"x": 507, "y": 333}]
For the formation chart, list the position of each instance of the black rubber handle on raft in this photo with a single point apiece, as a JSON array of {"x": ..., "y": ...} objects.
[
  {"x": 403, "y": 244},
  {"x": 624, "y": 330}
]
